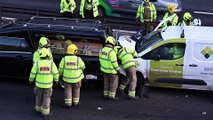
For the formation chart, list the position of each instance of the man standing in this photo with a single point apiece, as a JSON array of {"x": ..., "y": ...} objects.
[
  {"x": 110, "y": 68},
  {"x": 71, "y": 69},
  {"x": 43, "y": 43},
  {"x": 44, "y": 71},
  {"x": 173, "y": 20},
  {"x": 67, "y": 8},
  {"x": 187, "y": 20},
  {"x": 146, "y": 16},
  {"x": 89, "y": 8},
  {"x": 126, "y": 55}
]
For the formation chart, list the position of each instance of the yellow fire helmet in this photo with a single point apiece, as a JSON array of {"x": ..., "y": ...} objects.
[
  {"x": 72, "y": 49},
  {"x": 187, "y": 16},
  {"x": 43, "y": 41},
  {"x": 110, "y": 40},
  {"x": 146, "y": 0},
  {"x": 171, "y": 8},
  {"x": 44, "y": 52}
]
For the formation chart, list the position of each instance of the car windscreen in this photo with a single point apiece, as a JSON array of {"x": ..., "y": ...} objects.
[{"x": 148, "y": 40}]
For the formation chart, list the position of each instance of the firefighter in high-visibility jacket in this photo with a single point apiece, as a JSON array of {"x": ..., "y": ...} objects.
[
  {"x": 109, "y": 66},
  {"x": 43, "y": 43},
  {"x": 89, "y": 8},
  {"x": 45, "y": 72},
  {"x": 173, "y": 20},
  {"x": 71, "y": 69},
  {"x": 126, "y": 55},
  {"x": 67, "y": 8},
  {"x": 146, "y": 16}
]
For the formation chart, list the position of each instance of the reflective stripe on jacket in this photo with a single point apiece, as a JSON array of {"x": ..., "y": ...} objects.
[
  {"x": 36, "y": 56},
  {"x": 140, "y": 12},
  {"x": 44, "y": 71},
  {"x": 71, "y": 67},
  {"x": 94, "y": 6},
  {"x": 108, "y": 61},
  {"x": 66, "y": 7},
  {"x": 126, "y": 55},
  {"x": 173, "y": 19}
]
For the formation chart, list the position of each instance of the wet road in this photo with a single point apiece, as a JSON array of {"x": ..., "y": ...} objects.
[{"x": 17, "y": 102}]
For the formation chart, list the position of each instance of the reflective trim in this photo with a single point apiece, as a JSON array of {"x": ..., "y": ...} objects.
[
  {"x": 104, "y": 59},
  {"x": 108, "y": 68},
  {"x": 128, "y": 62},
  {"x": 73, "y": 77},
  {"x": 122, "y": 87},
  {"x": 44, "y": 73},
  {"x": 44, "y": 83},
  {"x": 33, "y": 73},
  {"x": 56, "y": 74},
  {"x": 113, "y": 61}
]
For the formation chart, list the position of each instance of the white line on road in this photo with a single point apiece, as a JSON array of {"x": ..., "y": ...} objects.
[{"x": 202, "y": 12}]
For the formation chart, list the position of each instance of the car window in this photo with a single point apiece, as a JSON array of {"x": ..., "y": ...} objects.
[
  {"x": 169, "y": 51},
  {"x": 13, "y": 44},
  {"x": 87, "y": 45}
]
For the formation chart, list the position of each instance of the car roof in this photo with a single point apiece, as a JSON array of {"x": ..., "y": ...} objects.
[
  {"x": 54, "y": 23},
  {"x": 192, "y": 33}
]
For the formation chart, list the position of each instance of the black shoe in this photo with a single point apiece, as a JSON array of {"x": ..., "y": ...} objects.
[
  {"x": 133, "y": 98},
  {"x": 76, "y": 105},
  {"x": 68, "y": 107},
  {"x": 112, "y": 99},
  {"x": 47, "y": 116},
  {"x": 145, "y": 96}
]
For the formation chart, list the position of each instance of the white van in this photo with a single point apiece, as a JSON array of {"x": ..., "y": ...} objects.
[{"x": 190, "y": 68}]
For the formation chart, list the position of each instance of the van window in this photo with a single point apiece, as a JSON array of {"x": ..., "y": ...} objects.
[
  {"x": 13, "y": 44},
  {"x": 169, "y": 51},
  {"x": 148, "y": 40},
  {"x": 87, "y": 45}
]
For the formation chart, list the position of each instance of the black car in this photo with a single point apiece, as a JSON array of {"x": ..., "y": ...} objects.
[{"x": 19, "y": 39}]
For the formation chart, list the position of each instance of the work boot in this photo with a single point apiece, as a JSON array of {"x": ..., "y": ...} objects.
[
  {"x": 113, "y": 98},
  {"x": 68, "y": 107},
  {"x": 132, "y": 98},
  {"x": 44, "y": 117}
]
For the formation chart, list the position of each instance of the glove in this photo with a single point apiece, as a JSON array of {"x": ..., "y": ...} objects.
[
  {"x": 169, "y": 23},
  {"x": 55, "y": 83},
  {"x": 138, "y": 21},
  {"x": 31, "y": 82}
]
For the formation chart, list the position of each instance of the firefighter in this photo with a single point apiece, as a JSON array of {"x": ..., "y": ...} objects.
[
  {"x": 109, "y": 66},
  {"x": 173, "y": 16},
  {"x": 43, "y": 43},
  {"x": 44, "y": 71},
  {"x": 146, "y": 16},
  {"x": 71, "y": 69},
  {"x": 89, "y": 8},
  {"x": 67, "y": 8},
  {"x": 126, "y": 55},
  {"x": 187, "y": 20}
]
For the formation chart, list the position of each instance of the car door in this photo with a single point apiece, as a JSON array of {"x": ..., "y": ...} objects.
[
  {"x": 165, "y": 68},
  {"x": 12, "y": 53}
]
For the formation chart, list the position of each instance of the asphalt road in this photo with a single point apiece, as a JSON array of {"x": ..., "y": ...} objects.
[{"x": 17, "y": 103}]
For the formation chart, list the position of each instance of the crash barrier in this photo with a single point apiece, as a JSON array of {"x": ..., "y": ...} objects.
[{"x": 26, "y": 13}]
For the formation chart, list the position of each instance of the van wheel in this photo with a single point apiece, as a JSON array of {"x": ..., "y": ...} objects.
[{"x": 141, "y": 89}]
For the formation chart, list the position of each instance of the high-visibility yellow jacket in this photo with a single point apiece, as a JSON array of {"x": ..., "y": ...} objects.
[
  {"x": 36, "y": 56},
  {"x": 173, "y": 19},
  {"x": 89, "y": 6},
  {"x": 44, "y": 71},
  {"x": 108, "y": 61},
  {"x": 140, "y": 12},
  {"x": 66, "y": 7},
  {"x": 183, "y": 23},
  {"x": 126, "y": 55},
  {"x": 71, "y": 68}
]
